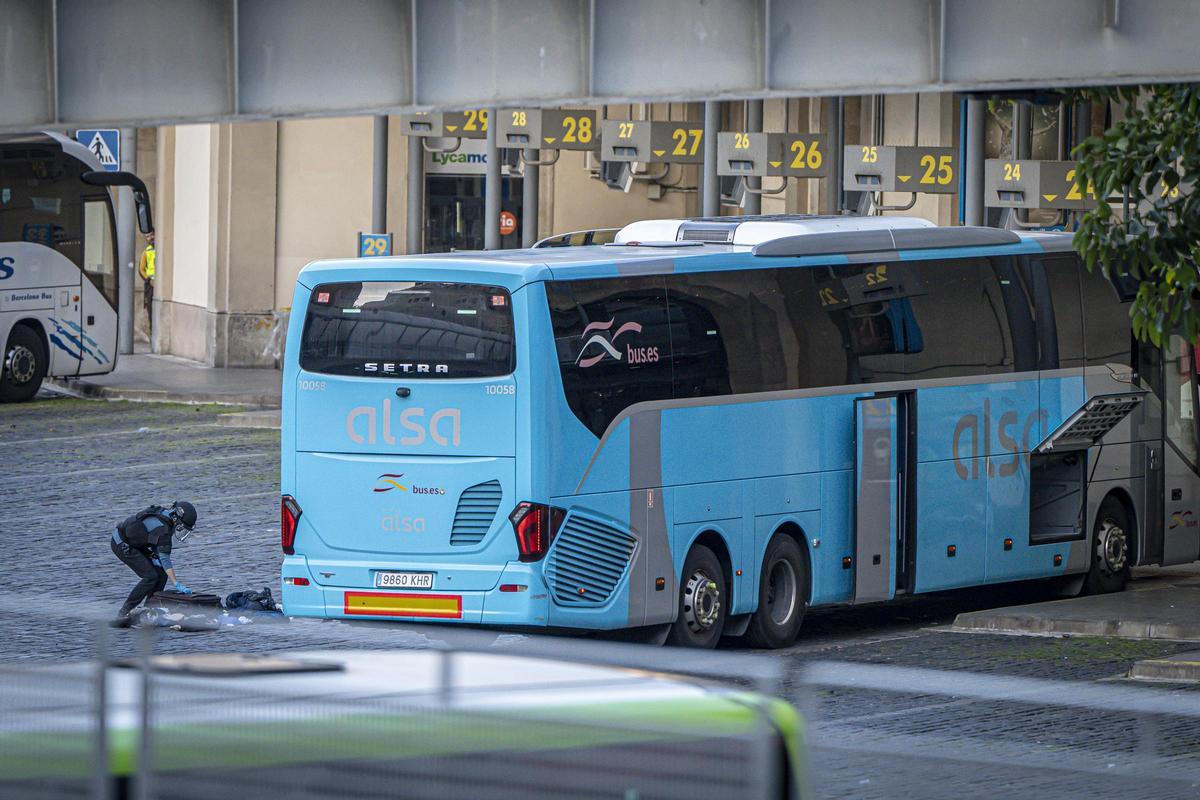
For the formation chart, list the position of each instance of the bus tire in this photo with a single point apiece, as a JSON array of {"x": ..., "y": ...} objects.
[
  {"x": 24, "y": 365},
  {"x": 703, "y": 604},
  {"x": 782, "y": 586},
  {"x": 1109, "y": 568}
]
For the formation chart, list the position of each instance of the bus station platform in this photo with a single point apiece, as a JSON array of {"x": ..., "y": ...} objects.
[
  {"x": 1159, "y": 603},
  {"x": 145, "y": 377}
]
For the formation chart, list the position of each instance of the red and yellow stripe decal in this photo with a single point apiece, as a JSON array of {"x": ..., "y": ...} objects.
[{"x": 393, "y": 604}]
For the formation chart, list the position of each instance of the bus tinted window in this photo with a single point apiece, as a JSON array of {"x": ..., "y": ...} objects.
[
  {"x": 613, "y": 339},
  {"x": 41, "y": 194},
  {"x": 730, "y": 332},
  {"x": 1062, "y": 283},
  {"x": 1106, "y": 327},
  {"x": 407, "y": 329},
  {"x": 962, "y": 320}
]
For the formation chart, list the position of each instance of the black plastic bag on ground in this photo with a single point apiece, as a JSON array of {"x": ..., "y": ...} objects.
[
  {"x": 251, "y": 601},
  {"x": 197, "y": 601}
]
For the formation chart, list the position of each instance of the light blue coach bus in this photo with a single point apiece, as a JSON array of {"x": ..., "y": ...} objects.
[{"x": 711, "y": 424}]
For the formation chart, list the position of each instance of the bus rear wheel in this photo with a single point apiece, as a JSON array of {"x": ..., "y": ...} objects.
[
  {"x": 24, "y": 365},
  {"x": 1111, "y": 553},
  {"x": 703, "y": 607},
  {"x": 782, "y": 586}
]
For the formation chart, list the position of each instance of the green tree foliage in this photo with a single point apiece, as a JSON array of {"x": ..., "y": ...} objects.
[{"x": 1153, "y": 153}]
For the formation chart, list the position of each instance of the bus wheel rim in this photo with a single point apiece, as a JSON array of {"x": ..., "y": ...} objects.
[
  {"x": 1112, "y": 546},
  {"x": 701, "y": 602},
  {"x": 781, "y": 592},
  {"x": 20, "y": 364}
]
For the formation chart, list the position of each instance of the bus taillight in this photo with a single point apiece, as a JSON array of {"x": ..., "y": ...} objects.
[
  {"x": 289, "y": 515},
  {"x": 535, "y": 525}
]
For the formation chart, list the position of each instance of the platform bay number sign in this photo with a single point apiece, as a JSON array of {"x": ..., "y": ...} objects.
[{"x": 885, "y": 168}]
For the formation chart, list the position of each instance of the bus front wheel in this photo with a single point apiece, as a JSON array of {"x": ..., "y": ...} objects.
[
  {"x": 1111, "y": 553},
  {"x": 782, "y": 586},
  {"x": 24, "y": 365},
  {"x": 703, "y": 606}
]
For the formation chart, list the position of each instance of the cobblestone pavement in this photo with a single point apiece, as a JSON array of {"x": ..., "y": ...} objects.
[{"x": 74, "y": 468}]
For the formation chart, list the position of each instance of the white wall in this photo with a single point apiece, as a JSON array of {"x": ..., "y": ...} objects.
[{"x": 193, "y": 226}]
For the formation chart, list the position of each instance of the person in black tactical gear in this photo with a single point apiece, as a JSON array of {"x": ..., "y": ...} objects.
[{"x": 143, "y": 543}]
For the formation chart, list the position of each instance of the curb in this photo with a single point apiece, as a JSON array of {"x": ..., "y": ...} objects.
[
  {"x": 1123, "y": 629},
  {"x": 267, "y": 418},
  {"x": 1182, "y": 668},
  {"x": 94, "y": 392}
]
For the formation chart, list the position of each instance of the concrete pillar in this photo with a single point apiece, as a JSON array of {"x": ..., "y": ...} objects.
[
  {"x": 164, "y": 225},
  {"x": 836, "y": 128},
  {"x": 1022, "y": 129},
  {"x": 529, "y": 200},
  {"x": 126, "y": 243},
  {"x": 218, "y": 258},
  {"x": 241, "y": 317},
  {"x": 974, "y": 138},
  {"x": 711, "y": 187},
  {"x": 414, "y": 229},
  {"x": 491, "y": 188},
  {"x": 1083, "y": 123},
  {"x": 379, "y": 172},
  {"x": 754, "y": 124}
]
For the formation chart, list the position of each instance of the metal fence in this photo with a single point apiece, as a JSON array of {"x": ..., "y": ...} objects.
[{"x": 137, "y": 727}]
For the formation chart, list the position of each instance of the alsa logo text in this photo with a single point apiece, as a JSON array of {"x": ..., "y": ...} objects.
[
  {"x": 608, "y": 345},
  {"x": 7, "y": 267},
  {"x": 367, "y": 425}
]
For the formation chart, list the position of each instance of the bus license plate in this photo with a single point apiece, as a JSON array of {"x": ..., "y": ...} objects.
[{"x": 403, "y": 580}]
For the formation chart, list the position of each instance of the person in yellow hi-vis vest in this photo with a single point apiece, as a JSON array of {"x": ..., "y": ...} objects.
[{"x": 146, "y": 270}]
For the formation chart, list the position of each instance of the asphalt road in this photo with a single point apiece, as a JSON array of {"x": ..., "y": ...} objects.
[{"x": 74, "y": 468}]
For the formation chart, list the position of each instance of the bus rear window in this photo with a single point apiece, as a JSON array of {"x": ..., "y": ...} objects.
[{"x": 379, "y": 329}]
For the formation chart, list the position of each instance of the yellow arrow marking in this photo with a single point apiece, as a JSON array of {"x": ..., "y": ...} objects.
[
  {"x": 549, "y": 139},
  {"x": 1049, "y": 197},
  {"x": 774, "y": 163},
  {"x": 904, "y": 178},
  {"x": 659, "y": 152},
  {"x": 451, "y": 127}
]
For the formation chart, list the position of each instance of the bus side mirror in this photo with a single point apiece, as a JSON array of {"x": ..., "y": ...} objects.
[{"x": 141, "y": 196}]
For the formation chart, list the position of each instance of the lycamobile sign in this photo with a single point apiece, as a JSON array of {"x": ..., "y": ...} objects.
[
  {"x": 459, "y": 158},
  {"x": 469, "y": 159}
]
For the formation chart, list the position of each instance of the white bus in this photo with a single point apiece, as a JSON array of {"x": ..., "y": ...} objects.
[{"x": 58, "y": 261}]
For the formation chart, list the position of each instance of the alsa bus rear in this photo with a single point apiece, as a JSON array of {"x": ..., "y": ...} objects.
[{"x": 710, "y": 437}]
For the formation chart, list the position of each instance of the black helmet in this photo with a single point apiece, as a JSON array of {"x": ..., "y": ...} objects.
[{"x": 184, "y": 513}]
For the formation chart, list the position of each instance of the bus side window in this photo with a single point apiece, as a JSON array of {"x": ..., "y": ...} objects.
[
  {"x": 963, "y": 319},
  {"x": 726, "y": 332},
  {"x": 1108, "y": 337},
  {"x": 613, "y": 341},
  {"x": 1062, "y": 308}
]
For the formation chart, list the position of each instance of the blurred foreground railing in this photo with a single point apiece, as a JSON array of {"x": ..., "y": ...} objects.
[
  {"x": 462, "y": 719},
  {"x": 879, "y": 731}
]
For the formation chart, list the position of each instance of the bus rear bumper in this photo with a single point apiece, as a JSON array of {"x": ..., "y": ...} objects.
[{"x": 518, "y": 598}]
